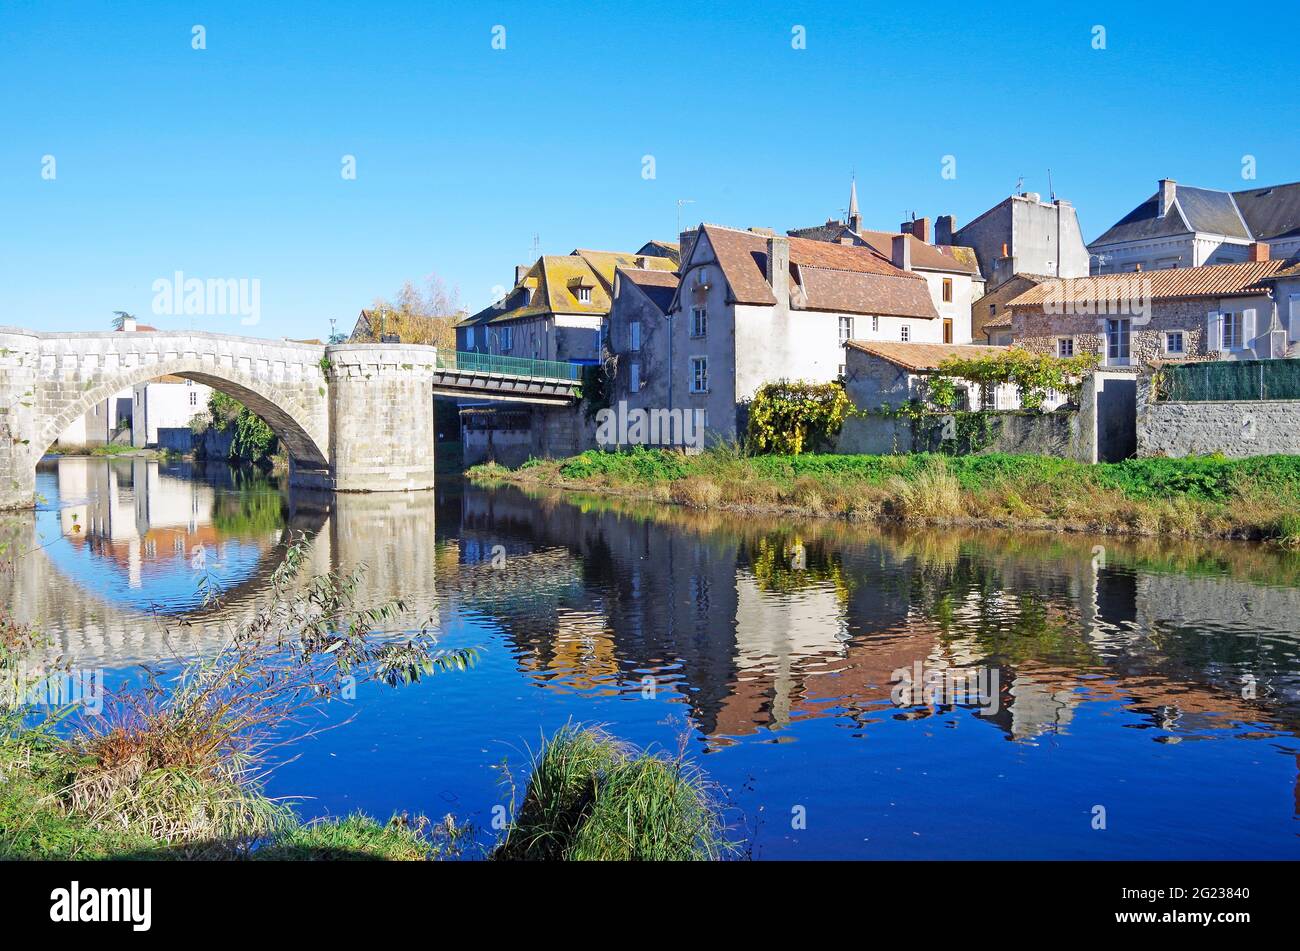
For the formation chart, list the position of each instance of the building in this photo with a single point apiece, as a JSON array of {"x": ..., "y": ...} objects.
[
  {"x": 1181, "y": 226},
  {"x": 557, "y": 308},
  {"x": 1216, "y": 312},
  {"x": 887, "y": 373},
  {"x": 753, "y": 306},
  {"x": 1022, "y": 234},
  {"x": 952, "y": 272},
  {"x": 991, "y": 313}
]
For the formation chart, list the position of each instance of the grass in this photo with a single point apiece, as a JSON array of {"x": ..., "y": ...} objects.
[
  {"x": 1209, "y": 496},
  {"x": 594, "y": 798}
]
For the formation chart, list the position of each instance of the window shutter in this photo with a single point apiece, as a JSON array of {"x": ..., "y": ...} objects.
[
  {"x": 1248, "y": 328},
  {"x": 1293, "y": 319},
  {"x": 1214, "y": 332}
]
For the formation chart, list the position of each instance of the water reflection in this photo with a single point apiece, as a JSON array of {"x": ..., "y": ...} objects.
[{"x": 778, "y": 645}]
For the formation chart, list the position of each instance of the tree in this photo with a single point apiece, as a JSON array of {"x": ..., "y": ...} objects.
[{"x": 417, "y": 314}]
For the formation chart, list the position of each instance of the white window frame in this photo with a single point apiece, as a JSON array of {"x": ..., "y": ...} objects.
[
  {"x": 1062, "y": 344},
  {"x": 1232, "y": 331},
  {"x": 506, "y": 339},
  {"x": 1119, "y": 330},
  {"x": 469, "y": 338},
  {"x": 875, "y": 325},
  {"x": 634, "y": 333},
  {"x": 846, "y": 329},
  {"x": 905, "y": 333},
  {"x": 584, "y": 295},
  {"x": 699, "y": 367},
  {"x": 699, "y": 321},
  {"x": 1182, "y": 343}
]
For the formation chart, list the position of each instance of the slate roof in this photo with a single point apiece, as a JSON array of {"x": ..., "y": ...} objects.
[
  {"x": 835, "y": 277},
  {"x": 1256, "y": 214},
  {"x": 1217, "y": 280},
  {"x": 921, "y": 357},
  {"x": 659, "y": 286}
]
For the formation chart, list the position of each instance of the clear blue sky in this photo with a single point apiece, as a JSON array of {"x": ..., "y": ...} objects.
[{"x": 225, "y": 162}]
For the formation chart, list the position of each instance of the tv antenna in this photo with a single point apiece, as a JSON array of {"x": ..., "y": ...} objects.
[
  {"x": 680, "y": 202},
  {"x": 1050, "y": 190}
]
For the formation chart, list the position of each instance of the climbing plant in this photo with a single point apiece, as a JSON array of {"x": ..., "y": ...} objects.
[
  {"x": 252, "y": 440},
  {"x": 788, "y": 417},
  {"x": 1033, "y": 374}
]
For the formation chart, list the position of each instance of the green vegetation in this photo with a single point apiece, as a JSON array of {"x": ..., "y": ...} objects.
[
  {"x": 1033, "y": 374},
  {"x": 594, "y": 798},
  {"x": 253, "y": 441},
  {"x": 786, "y": 417},
  {"x": 1204, "y": 496}
]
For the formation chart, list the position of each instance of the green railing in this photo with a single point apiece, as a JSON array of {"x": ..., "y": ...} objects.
[
  {"x": 1225, "y": 380},
  {"x": 508, "y": 366}
]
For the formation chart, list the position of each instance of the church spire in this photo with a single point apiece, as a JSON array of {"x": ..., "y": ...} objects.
[{"x": 855, "y": 219}]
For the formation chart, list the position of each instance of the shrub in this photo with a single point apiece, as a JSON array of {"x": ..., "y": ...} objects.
[{"x": 793, "y": 417}]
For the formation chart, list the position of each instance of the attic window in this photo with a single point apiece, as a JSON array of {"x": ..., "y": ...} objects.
[{"x": 584, "y": 295}]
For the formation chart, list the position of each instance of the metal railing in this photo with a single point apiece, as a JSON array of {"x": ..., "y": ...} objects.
[
  {"x": 1230, "y": 380},
  {"x": 508, "y": 366}
]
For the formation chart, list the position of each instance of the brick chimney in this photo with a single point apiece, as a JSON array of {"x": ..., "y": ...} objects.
[
  {"x": 520, "y": 271},
  {"x": 921, "y": 229},
  {"x": 1259, "y": 251},
  {"x": 1165, "y": 199},
  {"x": 778, "y": 268},
  {"x": 945, "y": 227},
  {"x": 902, "y": 252},
  {"x": 684, "y": 242}
]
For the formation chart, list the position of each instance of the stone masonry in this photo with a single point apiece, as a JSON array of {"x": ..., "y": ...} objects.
[
  {"x": 1235, "y": 428},
  {"x": 353, "y": 417}
]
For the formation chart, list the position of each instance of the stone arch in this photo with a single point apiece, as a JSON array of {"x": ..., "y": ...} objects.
[{"x": 299, "y": 420}]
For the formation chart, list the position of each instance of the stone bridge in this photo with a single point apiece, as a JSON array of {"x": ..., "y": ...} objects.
[{"x": 353, "y": 417}]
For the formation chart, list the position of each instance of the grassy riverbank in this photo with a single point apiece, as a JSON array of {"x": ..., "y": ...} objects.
[{"x": 1201, "y": 497}]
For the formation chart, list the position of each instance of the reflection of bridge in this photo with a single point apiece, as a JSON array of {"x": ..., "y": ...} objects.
[{"x": 353, "y": 417}]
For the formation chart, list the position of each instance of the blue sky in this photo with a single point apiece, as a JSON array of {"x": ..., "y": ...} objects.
[{"x": 225, "y": 162}]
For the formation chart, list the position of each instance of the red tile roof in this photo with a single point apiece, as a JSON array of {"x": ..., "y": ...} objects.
[
  {"x": 922, "y": 356},
  {"x": 1218, "y": 280}
]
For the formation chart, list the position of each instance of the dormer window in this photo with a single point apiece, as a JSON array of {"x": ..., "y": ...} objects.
[{"x": 584, "y": 295}]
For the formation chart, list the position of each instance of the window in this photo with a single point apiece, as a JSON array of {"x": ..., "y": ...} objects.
[
  {"x": 846, "y": 329},
  {"x": 1117, "y": 342},
  {"x": 842, "y": 371},
  {"x": 947, "y": 290},
  {"x": 1174, "y": 342},
  {"x": 1232, "y": 335},
  {"x": 507, "y": 339},
  {"x": 905, "y": 334},
  {"x": 875, "y": 325},
  {"x": 699, "y": 321},
  {"x": 699, "y": 374},
  {"x": 194, "y": 398},
  {"x": 584, "y": 295},
  {"x": 634, "y": 377},
  {"x": 469, "y": 338},
  {"x": 635, "y": 330},
  {"x": 1065, "y": 346},
  {"x": 947, "y": 330}
]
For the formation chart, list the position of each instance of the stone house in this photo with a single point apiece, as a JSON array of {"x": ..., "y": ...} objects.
[
  {"x": 639, "y": 336},
  {"x": 557, "y": 308},
  {"x": 751, "y": 307},
  {"x": 1219, "y": 312},
  {"x": 1181, "y": 226},
  {"x": 952, "y": 272},
  {"x": 888, "y": 373}
]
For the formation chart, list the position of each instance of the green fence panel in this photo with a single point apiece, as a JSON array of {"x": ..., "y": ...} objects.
[{"x": 1231, "y": 380}]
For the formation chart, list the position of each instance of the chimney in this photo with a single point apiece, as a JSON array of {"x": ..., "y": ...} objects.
[
  {"x": 1259, "y": 251},
  {"x": 905, "y": 228},
  {"x": 1165, "y": 200},
  {"x": 945, "y": 229},
  {"x": 128, "y": 324},
  {"x": 684, "y": 242},
  {"x": 921, "y": 229},
  {"x": 643, "y": 262},
  {"x": 778, "y": 269},
  {"x": 902, "y": 252},
  {"x": 520, "y": 271}
]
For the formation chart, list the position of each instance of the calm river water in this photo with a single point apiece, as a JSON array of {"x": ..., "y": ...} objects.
[{"x": 1086, "y": 698}]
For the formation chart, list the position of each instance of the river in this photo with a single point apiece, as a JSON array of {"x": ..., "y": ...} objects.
[{"x": 1074, "y": 697}]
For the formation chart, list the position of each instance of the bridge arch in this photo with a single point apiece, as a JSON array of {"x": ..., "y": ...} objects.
[{"x": 298, "y": 421}]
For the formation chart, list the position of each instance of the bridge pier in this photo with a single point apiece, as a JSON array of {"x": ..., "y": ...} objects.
[
  {"x": 382, "y": 426},
  {"x": 19, "y": 365}
]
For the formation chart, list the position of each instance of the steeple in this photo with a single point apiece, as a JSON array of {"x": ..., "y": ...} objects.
[{"x": 855, "y": 219}]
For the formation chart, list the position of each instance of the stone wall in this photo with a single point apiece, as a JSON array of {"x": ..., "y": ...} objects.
[
  {"x": 1235, "y": 428},
  {"x": 1060, "y": 433}
]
